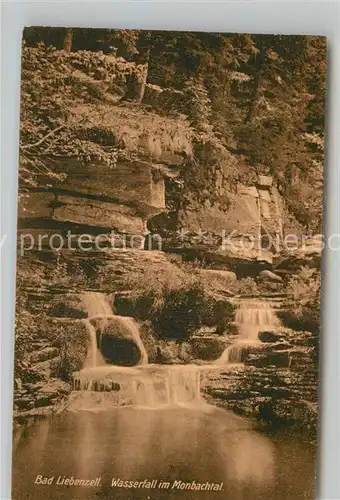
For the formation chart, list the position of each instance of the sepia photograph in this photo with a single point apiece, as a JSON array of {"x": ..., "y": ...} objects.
[{"x": 169, "y": 242}]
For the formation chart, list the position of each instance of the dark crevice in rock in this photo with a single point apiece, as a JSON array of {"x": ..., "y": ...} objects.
[
  {"x": 64, "y": 226},
  {"x": 89, "y": 196}
]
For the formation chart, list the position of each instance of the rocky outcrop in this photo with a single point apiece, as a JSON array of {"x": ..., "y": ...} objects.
[
  {"x": 276, "y": 396},
  {"x": 306, "y": 253},
  {"x": 139, "y": 184},
  {"x": 221, "y": 279},
  {"x": 203, "y": 347},
  {"x": 58, "y": 348},
  {"x": 248, "y": 230},
  {"x": 96, "y": 200},
  {"x": 39, "y": 398},
  {"x": 277, "y": 384},
  {"x": 106, "y": 271},
  {"x": 79, "y": 210}
]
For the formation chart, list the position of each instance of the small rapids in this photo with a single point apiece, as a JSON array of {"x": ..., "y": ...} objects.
[
  {"x": 100, "y": 385},
  {"x": 147, "y": 386},
  {"x": 252, "y": 317}
]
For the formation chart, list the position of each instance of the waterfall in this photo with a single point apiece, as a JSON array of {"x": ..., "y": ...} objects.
[
  {"x": 94, "y": 356},
  {"x": 96, "y": 304},
  {"x": 252, "y": 317},
  {"x": 164, "y": 386},
  {"x": 100, "y": 315},
  {"x": 160, "y": 386},
  {"x": 100, "y": 385},
  {"x": 147, "y": 386}
]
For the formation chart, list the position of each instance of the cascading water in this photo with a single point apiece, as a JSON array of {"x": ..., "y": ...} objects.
[
  {"x": 252, "y": 317},
  {"x": 167, "y": 385},
  {"x": 121, "y": 324},
  {"x": 96, "y": 304},
  {"x": 94, "y": 356},
  {"x": 100, "y": 385},
  {"x": 147, "y": 386}
]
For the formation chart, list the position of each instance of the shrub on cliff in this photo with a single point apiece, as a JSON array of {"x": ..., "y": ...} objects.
[
  {"x": 26, "y": 324},
  {"x": 175, "y": 302},
  {"x": 246, "y": 286},
  {"x": 71, "y": 338},
  {"x": 219, "y": 312},
  {"x": 303, "y": 307},
  {"x": 180, "y": 313}
]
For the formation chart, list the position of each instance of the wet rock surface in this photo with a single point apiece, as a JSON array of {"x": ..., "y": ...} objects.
[
  {"x": 269, "y": 336},
  {"x": 119, "y": 341},
  {"x": 276, "y": 383}
]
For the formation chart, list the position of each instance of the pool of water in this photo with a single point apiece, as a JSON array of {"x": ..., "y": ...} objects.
[{"x": 187, "y": 445}]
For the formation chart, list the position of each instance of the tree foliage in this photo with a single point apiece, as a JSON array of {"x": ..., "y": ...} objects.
[
  {"x": 259, "y": 97},
  {"x": 304, "y": 296}
]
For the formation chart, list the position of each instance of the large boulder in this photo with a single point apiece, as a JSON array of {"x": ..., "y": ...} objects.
[
  {"x": 267, "y": 275},
  {"x": 207, "y": 348},
  {"x": 272, "y": 358},
  {"x": 269, "y": 336},
  {"x": 119, "y": 340}
]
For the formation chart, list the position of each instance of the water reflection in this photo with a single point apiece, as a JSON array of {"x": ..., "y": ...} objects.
[{"x": 172, "y": 444}]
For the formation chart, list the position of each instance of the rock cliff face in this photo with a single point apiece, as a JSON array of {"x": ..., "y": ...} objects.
[
  {"x": 253, "y": 210},
  {"x": 120, "y": 199}
]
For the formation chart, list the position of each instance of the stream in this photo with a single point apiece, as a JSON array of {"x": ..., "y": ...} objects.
[
  {"x": 203, "y": 444},
  {"x": 148, "y": 425}
]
